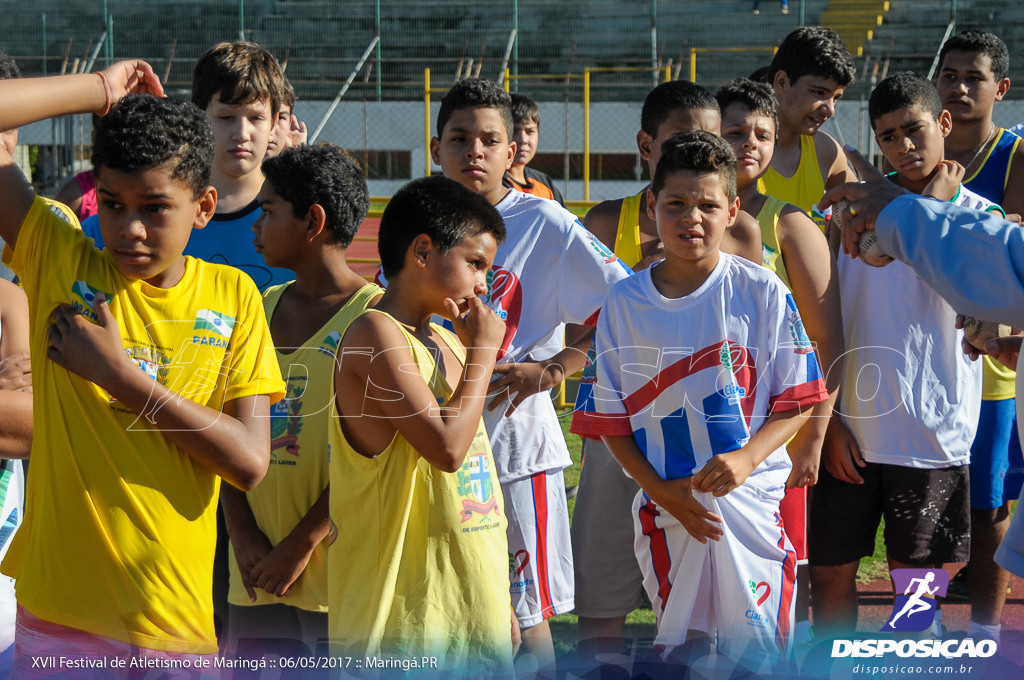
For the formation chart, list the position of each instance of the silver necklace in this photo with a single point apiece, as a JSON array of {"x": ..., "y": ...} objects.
[{"x": 991, "y": 132}]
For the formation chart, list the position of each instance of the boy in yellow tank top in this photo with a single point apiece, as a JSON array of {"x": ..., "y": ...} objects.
[
  {"x": 602, "y": 529},
  {"x": 796, "y": 250},
  {"x": 418, "y": 564},
  {"x": 809, "y": 72},
  {"x": 311, "y": 205},
  {"x": 152, "y": 379}
]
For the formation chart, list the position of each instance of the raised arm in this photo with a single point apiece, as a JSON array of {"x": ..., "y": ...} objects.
[
  {"x": 380, "y": 390},
  {"x": 27, "y": 100}
]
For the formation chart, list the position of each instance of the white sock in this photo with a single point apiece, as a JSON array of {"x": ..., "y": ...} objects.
[
  {"x": 977, "y": 629},
  {"x": 936, "y": 629}
]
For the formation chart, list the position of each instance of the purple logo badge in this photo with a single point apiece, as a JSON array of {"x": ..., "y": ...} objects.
[{"x": 916, "y": 590}]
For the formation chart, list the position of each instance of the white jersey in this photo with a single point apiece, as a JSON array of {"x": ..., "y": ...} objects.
[
  {"x": 696, "y": 376},
  {"x": 549, "y": 271},
  {"x": 909, "y": 394}
]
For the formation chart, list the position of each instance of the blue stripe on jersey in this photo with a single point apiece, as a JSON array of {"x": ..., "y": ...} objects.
[
  {"x": 679, "y": 458},
  {"x": 727, "y": 430},
  {"x": 812, "y": 367}
]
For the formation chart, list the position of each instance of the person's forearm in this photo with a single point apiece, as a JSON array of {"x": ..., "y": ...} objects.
[
  {"x": 314, "y": 526},
  {"x": 237, "y": 451},
  {"x": 15, "y": 424},
  {"x": 238, "y": 517},
  {"x": 27, "y": 100},
  {"x": 974, "y": 260}
]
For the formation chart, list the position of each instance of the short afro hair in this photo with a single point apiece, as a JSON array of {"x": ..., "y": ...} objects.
[
  {"x": 902, "y": 91},
  {"x": 143, "y": 132},
  {"x": 323, "y": 175},
  {"x": 474, "y": 93},
  {"x": 672, "y": 96},
  {"x": 439, "y": 207},
  {"x": 8, "y": 67},
  {"x": 697, "y": 151}
]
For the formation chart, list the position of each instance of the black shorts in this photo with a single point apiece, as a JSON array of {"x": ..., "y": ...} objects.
[{"x": 927, "y": 515}]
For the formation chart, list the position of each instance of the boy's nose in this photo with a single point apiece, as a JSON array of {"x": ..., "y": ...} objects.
[{"x": 133, "y": 229}]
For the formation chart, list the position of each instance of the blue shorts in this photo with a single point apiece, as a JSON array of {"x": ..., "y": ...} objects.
[{"x": 997, "y": 466}]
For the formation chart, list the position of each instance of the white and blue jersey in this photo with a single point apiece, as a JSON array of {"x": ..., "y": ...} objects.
[{"x": 693, "y": 377}]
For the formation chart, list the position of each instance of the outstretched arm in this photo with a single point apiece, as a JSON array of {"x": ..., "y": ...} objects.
[{"x": 27, "y": 100}]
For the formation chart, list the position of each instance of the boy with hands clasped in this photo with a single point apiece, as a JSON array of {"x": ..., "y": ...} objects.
[{"x": 720, "y": 374}]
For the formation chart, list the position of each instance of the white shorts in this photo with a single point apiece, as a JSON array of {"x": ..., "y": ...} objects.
[
  {"x": 539, "y": 548},
  {"x": 608, "y": 579},
  {"x": 740, "y": 587}
]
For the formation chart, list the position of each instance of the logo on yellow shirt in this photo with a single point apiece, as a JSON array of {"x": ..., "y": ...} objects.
[
  {"x": 475, "y": 481},
  {"x": 83, "y": 298},
  {"x": 209, "y": 320}
]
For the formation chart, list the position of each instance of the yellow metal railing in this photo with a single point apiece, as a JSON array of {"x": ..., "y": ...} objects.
[{"x": 694, "y": 51}]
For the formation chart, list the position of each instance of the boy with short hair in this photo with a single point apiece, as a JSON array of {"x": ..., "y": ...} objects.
[
  {"x": 153, "y": 375},
  {"x": 796, "y": 250},
  {"x": 423, "y": 573},
  {"x": 903, "y": 452},
  {"x": 602, "y": 530},
  {"x": 973, "y": 68},
  {"x": 239, "y": 85},
  {"x": 550, "y": 271},
  {"x": 526, "y": 135},
  {"x": 288, "y": 130},
  {"x": 703, "y": 373},
  {"x": 809, "y": 73},
  {"x": 312, "y": 203}
]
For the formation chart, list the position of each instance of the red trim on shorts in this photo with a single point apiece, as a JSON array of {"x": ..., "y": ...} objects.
[
  {"x": 788, "y": 582},
  {"x": 540, "y": 511},
  {"x": 659, "y": 550},
  {"x": 793, "y": 509}
]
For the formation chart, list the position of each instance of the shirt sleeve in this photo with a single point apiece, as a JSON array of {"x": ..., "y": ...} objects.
[
  {"x": 608, "y": 416},
  {"x": 975, "y": 261},
  {"x": 252, "y": 366},
  {"x": 796, "y": 378},
  {"x": 48, "y": 240},
  {"x": 586, "y": 272}
]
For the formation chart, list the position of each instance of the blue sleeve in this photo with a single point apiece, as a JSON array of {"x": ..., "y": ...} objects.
[
  {"x": 974, "y": 260},
  {"x": 91, "y": 228}
]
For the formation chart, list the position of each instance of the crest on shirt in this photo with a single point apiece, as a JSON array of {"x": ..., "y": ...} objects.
[
  {"x": 476, "y": 486},
  {"x": 209, "y": 320},
  {"x": 797, "y": 335},
  {"x": 286, "y": 423},
  {"x": 607, "y": 255},
  {"x": 505, "y": 298},
  {"x": 330, "y": 344}
]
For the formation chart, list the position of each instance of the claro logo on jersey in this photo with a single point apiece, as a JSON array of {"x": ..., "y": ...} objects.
[
  {"x": 914, "y": 611},
  {"x": 505, "y": 297}
]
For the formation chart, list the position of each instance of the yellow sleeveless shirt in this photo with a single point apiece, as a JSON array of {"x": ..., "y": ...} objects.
[
  {"x": 805, "y": 188},
  {"x": 418, "y": 561}
]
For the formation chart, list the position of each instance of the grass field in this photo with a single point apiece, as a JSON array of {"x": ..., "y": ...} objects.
[{"x": 641, "y": 624}]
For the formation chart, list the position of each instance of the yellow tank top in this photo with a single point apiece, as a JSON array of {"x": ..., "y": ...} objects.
[
  {"x": 627, "y": 238},
  {"x": 771, "y": 251},
  {"x": 418, "y": 562},
  {"x": 298, "y": 471},
  {"x": 805, "y": 188}
]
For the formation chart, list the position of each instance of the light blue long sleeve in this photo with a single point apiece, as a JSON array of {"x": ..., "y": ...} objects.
[
  {"x": 972, "y": 259},
  {"x": 976, "y": 262}
]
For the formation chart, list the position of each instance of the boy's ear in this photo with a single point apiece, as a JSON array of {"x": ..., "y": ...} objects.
[
  {"x": 435, "y": 150},
  {"x": 316, "y": 221},
  {"x": 420, "y": 249},
  {"x": 206, "y": 206},
  {"x": 1002, "y": 87},
  {"x": 734, "y": 211},
  {"x": 781, "y": 80},
  {"x": 644, "y": 143},
  {"x": 651, "y": 199},
  {"x": 945, "y": 122},
  {"x": 511, "y": 155}
]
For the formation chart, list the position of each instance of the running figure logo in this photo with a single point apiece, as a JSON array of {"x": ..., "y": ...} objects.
[{"x": 914, "y": 610}]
